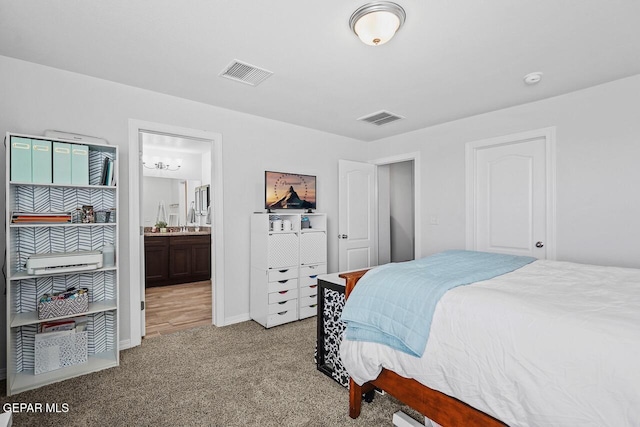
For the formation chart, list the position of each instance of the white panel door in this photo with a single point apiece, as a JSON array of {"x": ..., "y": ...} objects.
[
  {"x": 511, "y": 199},
  {"x": 357, "y": 247}
]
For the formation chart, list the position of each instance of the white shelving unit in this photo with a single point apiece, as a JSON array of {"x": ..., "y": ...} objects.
[
  {"x": 285, "y": 265},
  {"x": 23, "y": 289}
]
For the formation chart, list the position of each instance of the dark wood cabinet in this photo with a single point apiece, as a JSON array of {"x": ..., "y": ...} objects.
[
  {"x": 179, "y": 262},
  {"x": 171, "y": 260},
  {"x": 156, "y": 256},
  {"x": 201, "y": 260}
]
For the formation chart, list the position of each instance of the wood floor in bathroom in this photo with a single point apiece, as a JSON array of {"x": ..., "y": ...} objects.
[{"x": 175, "y": 308}]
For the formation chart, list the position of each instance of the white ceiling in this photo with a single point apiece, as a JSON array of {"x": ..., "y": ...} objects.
[{"x": 452, "y": 59}]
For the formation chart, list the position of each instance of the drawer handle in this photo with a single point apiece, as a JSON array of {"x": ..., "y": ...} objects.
[
  {"x": 314, "y": 276},
  {"x": 282, "y": 313},
  {"x": 313, "y": 305},
  {"x": 312, "y": 296},
  {"x": 283, "y": 271},
  {"x": 313, "y": 286},
  {"x": 283, "y": 302},
  {"x": 283, "y": 281},
  {"x": 283, "y": 292}
]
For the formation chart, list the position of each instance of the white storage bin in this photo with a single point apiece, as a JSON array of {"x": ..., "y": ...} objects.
[
  {"x": 309, "y": 300},
  {"x": 282, "y": 317},
  {"x": 308, "y": 281},
  {"x": 278, "y": 307},
  {"x": 54, "y": 351},
  {"x": 308, "y": 290},
  {"x": 308, "y": 311},
  {"x": 283, "y": 274},
  {"x": 283, "y": 295},
  {"x": 282, "y": 285},
  {"x": 313, "y": 270}
]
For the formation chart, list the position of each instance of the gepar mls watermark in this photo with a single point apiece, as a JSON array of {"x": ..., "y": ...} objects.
[{"x": 36, "y": 407}]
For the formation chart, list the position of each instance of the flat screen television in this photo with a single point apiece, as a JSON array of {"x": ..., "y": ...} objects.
[{"x": 289, "y": 190}]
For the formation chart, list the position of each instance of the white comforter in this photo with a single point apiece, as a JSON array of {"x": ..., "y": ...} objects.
[{"x": 550, "y": 344}]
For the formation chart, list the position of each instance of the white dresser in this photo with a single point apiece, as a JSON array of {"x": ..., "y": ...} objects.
[{"x": 285, "y": 264}]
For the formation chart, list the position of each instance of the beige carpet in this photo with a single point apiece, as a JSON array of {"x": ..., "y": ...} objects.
[{"x": 239, "y": 375}]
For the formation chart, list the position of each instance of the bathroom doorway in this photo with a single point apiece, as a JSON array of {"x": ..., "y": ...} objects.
[
  {"x": 176, "y": 214},
  {"x": 176, "y": 141}
]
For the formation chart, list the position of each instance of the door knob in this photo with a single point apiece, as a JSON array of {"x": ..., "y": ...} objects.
[
  {"x": 539, "y": 244},
  {"x": 342, "y": 236}
]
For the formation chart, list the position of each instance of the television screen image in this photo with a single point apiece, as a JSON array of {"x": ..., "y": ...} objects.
[{"x": 289, "y": 191}]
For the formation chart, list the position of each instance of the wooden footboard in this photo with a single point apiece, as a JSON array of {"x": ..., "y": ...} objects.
[{"x": 439, "y": 407}]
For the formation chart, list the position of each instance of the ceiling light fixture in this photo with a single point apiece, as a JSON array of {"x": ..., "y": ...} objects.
[
  {"x": 377, "y": 22},
  {"x": 163, "y": 166}
]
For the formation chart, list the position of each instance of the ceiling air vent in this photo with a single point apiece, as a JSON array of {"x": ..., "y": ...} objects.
[
  {"x": 245, "y": 73},
  {"x": 381, "y": 118}
]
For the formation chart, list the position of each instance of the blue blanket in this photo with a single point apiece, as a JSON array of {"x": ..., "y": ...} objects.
[{"x": 394, "y": 304}]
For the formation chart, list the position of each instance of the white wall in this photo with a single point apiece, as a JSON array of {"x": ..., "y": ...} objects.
[
  {"x": 598, "y": 152},
  {"x": 598, "y": 140},
  {"x": 35, "y": 98}
]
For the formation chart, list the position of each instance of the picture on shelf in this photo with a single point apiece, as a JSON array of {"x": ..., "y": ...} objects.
[
  {"x": 289, "y": 191},
  {"x": 87, "y": 214}
]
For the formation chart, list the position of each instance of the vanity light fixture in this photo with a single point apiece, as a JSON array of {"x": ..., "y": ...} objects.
[
  {"x": 377, "y": 22},
  {"x": 163, "y": 166}
]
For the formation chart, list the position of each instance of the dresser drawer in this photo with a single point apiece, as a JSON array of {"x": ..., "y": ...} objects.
[
  {"x": 283, "y": 295},
  {"x": 308, "y": 281},
  {"x": 282, "y": 317},
  {"x": 284, "y": 274},
  {"x": 282, "y": 285},
  {"x": 313, "y": 270},
  {"x": 308, "y": 311},
  {"x": 308, "y": 300},
  {"x": 278, "y": 307},
  {"x": 308, "y": 290}
]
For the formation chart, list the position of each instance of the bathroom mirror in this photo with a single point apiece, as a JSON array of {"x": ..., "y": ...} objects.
[{"x": 178, "y": 196}]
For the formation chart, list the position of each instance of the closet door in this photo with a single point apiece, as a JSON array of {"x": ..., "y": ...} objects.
[{"x": 510, "y": 193}]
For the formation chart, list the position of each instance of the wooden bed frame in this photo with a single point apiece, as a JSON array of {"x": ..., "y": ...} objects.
[{"x": 439, "y": 407}]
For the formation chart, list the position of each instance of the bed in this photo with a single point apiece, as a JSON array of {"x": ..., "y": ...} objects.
[{"x": 550, "y": 343}]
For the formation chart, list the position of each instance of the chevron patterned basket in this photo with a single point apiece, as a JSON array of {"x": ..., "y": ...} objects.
[{"x": 63, "y": 307}]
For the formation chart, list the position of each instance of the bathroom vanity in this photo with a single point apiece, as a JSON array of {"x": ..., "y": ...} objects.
[{"x": 177, "y": 257}]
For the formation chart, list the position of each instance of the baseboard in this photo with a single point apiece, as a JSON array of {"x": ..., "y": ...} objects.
[{"x": 400, "y": 419}]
